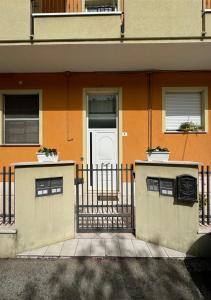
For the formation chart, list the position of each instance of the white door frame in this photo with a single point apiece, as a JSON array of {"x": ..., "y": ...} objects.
[{"x": 87, "y": 91}]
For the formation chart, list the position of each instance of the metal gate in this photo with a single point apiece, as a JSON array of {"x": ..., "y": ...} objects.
[{"x": 105, "y": 198}]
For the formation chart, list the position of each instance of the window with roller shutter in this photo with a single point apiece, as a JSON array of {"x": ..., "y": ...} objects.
[
  {"x": 21, "y": 119},
  {"x": 183, "y": 107}
]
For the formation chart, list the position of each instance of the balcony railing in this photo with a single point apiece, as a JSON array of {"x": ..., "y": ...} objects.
[{"x": 68, "y": 6}]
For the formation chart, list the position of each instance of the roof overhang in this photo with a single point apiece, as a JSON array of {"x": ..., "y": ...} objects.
[{"x": 105, "y": 57}]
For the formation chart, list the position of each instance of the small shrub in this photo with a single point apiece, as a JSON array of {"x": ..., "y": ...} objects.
[
  {"x": 157, "y": 149},
  {"x": 189, "y": 126},
  {"x": 48, "y": 151}
]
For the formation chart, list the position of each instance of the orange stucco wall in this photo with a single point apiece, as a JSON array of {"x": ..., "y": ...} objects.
[{"x": 62, "y": 113}]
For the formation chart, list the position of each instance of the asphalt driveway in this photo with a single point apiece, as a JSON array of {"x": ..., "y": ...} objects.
[{"x": 105, "y": 278}]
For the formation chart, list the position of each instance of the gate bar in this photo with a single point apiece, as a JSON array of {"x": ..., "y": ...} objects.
[
  {"x": 9, "y": 194},
  {"x": 77, "y": 195},
  {"x": 4, "y": 195},
  {"x": 208, "y": 195},
  {"x": 202, "y": 192}
]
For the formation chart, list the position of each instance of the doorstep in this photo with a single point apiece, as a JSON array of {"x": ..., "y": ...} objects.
[
  {"x": 204, "y": 229},
  {"x": 102, "y": 247},
  {"x": 8, "y": 229}
]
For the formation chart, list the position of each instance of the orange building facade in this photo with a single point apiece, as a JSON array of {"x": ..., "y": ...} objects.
[{"x": 140, "y": 115}]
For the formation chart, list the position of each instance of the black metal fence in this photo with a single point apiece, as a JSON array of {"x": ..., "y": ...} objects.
[
  {"x": 204, "y": 195},
  {"x": 105, "y": 198},
  {"x": 7, "y": 197}
]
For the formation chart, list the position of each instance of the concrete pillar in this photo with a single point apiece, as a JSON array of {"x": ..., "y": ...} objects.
[{"x": 163, "y": 219}]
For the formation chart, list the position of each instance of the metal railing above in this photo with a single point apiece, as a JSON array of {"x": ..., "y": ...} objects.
[
  {"x": 7, "y": 196},
  {"x": 204, "y": 196},
  {"x": 65, "y": 6}
]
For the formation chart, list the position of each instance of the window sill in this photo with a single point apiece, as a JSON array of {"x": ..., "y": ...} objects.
[
  {"x": 20, "y": 145},
  {"x": 185, "y": 132},
  {"x": 78, "y": 14}
]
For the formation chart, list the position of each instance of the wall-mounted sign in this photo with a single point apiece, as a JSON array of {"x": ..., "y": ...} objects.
[
  {"x": 124, "y": 133},
  {"x": 153, "y": 184},
  {"x": 186, "y": 188},
  {"x": 167, "y": 187},
  {"x": 48, "y": 186}
]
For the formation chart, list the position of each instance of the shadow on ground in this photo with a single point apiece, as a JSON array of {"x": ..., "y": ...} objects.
[
  {"x": 105, "y": 278},
  {"x": 200, "y": 269}
]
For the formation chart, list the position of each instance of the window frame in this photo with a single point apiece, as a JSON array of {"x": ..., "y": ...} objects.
[
  {"x": 204, "y": 103},
  {"x": 102, "y": 12},
  {"x": 2, "y": 115}
]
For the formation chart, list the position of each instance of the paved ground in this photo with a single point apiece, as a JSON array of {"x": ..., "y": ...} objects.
[
  {"x": 101, "y": 245},
  {"x": 105, "y": 278}
]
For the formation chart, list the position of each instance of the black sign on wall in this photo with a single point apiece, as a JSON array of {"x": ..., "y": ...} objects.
[
  {"x": 167, "y": 187},
  {"x": 186, "y": 188},
  {"x": 152, "y": 184},
  {"x": 49, "y": 186}
]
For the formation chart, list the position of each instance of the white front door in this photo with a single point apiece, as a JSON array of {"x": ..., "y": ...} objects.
[
  {"x": 102, "y": 133},
  {"x": 105, "y": 148}
]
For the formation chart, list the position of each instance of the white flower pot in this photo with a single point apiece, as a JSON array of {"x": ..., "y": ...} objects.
[
  {"x": 41, "y": 157},
  {"x": 158, "y": 156}
]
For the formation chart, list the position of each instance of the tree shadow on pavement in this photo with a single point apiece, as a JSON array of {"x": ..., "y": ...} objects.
[
  {"x": 97, "y": 278},
  {"x": 200, "y": 267}
]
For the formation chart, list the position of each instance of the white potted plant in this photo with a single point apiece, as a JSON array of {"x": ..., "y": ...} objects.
[
  {"x": 47, "y": 155},
  {"x": 158, "y": 154}
]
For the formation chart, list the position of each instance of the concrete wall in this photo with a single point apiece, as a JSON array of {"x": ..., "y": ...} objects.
[
  {"x": 77, "y": 27},
  {"x": 160, "y": 219},
  {"x": 208, "y": 24},
  {"x": 143, "y": 18},
  {"x": 8, "y": 244},
  {"x": 163, "y": 18},
  {"x": 40, "y": 221},
  {"x": 14, "y": 19},
  {"x": 43, "y": 220}
]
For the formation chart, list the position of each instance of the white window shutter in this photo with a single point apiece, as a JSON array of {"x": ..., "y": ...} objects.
[{"x": 182, "y": 107}]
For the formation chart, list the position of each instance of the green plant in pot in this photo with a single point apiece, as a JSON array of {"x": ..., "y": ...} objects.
[
  {"x": 158, "y": 154},
  {"x": 47, "y": 155},
  {"x": 189, "y": 126}
]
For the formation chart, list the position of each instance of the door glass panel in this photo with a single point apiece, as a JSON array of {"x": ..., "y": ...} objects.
[
  {"x": 102, "y": 111},
  {"x": 102, "y": 104},
  {"x": 102, "y": 123}
]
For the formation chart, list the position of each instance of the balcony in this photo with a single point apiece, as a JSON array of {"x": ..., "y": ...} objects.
[
  {"x": 84, "y": 36},
  {"x": 207, "y": 18},
  {"x": 207, "y": 4},
  {"x": 70, "y": 6},
  {"x": 76, "y": 19}
]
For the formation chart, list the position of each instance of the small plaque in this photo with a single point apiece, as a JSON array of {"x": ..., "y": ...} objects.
[
  {"x": 153, "y": 184},
  {"x": 49, "y": 186},
  {"x": 167, "y": 187},
  {"x": 187, "y": 188}
]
